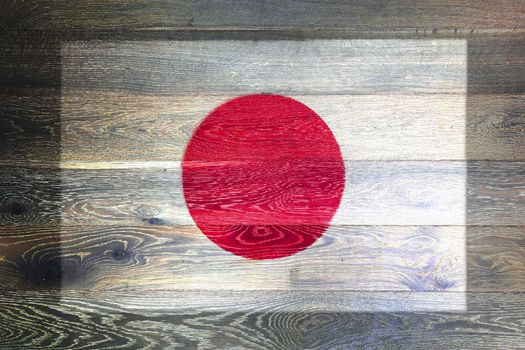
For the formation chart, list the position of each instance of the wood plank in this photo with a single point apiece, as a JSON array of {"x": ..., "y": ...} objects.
[
  {"x": 357, "y": 258},
  {"x": 242, "y": 67},
  {"x": 388, "y": 193},
  {"x": 377, "y": 193},
  {"x": 50, "y": 319},
  {"x": 29, "y": 100},
  {"x": 358, "y": 16},
  {"x": 180, "y": 257},
  {"x": 124, "y": 127},
  {"x": 101, "y": 126},
  {"x": 29, "y": 62},
  {"x": 122, "y": 130},
  {"x": 30, "y": 127},
  {"x": 494, "y": 66},
  {"x": 30, "y": 197},
  {"x": 495, "y": 127},
  {"x": 495, "y": 193}
]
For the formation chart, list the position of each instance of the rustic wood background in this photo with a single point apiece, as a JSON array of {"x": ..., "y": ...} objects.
[{"x": 64, "y": 265}]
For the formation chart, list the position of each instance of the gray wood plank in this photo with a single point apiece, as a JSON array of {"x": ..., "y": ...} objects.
[
  {"x": 242, "y": 67},
  {"x": 376, "y": 193},
  {"x": 30, "y": 127},
  {"x": 495, "y": 127},
  {"x": 118, "y": 127},
  {"x": 411, "y": 258},
  {"x": 58, "y": 320},
  {"x": 404, "y": 15},
  {"x": 496, "y": 65},
  {"x": 429, "y": 258},
  {"x": 124, "y": 127},
  {"x": 29, "y": 100},
  {"x": 388, "y": 193}
]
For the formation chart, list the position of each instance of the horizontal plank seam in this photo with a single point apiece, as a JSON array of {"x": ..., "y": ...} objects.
[
  {"x": 166, "y": 290},
  {"x": 432, "y": 30},
  {"x": 167, "y": 227}
]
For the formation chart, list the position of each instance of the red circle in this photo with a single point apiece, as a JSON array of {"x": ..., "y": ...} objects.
[{"x": 263, "y": 176}]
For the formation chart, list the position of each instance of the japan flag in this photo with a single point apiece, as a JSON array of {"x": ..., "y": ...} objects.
[{"x": 325, "y": 172}]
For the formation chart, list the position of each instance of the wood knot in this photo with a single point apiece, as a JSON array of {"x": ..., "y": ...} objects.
[
  {"x": 17, "y": 208},
  {"x": 46, "y": 274},
  {"x": 14, "y": 208},
  {"x": 154, "y": 221},
  {"x": 120, "y": 254}
]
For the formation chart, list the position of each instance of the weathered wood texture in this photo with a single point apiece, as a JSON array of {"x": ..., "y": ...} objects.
[
  {"x": 243, "y": 67},
  {"x": 57, "y": 265},
  {"x": 30, "y": 78},
  {"x": 430, "y": 258},
  {"x": 147, "y": 128},
  {"x": 181, "y": 258},
  {"x": 31, "y": 105},
  {"x": 362, "y": 16},
  {"x": 495, "y": 65},
  {"x": 133, "y": 320},
  {"x": 123, "y": 127},
  {"x": 492, "y": 194}
]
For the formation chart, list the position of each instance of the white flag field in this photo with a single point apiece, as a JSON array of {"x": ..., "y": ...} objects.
[{"x": 396, "y": 109}]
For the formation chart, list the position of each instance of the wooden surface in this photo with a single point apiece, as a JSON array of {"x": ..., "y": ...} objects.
[
  {"x": 97, "y": 250},
  {"x": 109, "y": 320},
  {"x": 375, "y": 16}
]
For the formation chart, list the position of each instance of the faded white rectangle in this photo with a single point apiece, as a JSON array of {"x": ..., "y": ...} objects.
[{"x": 430, "y": 196}]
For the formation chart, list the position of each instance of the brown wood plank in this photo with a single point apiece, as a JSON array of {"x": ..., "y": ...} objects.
[
  {"x": 30, "y": 197},
  {"x": 29, "y": 100},
  {"x": 180, "y": 257},
  {"x": 138, "y": 320},
  {"x": 30, "y": 127},
  {"x": 401, "y": 15}
]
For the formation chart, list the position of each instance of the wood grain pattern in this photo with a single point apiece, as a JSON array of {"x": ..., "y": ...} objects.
[
  {"x": 427, "y": 258},
  {"x": 119, "y": 127},
  {"x": 243, "y": 67},
  {"x": 495, "y": 127},
  {"x": 29, "y": 100},
  {"x": 30, "y": 197},
  {"x": 495, "y": 66},
  {"x": 159, "y": 257},
  {"x": 381, "y": 193},
  {"x": 30, "y": 85},
  {"x": 57, "y": 279},
  {"x": 30, "y": 127},
  {"x": 388, "y": 193},
  {"x": 377, "y": 16},
  {"x": 134, "y": 320},
  {"x": 491, "y": 195}
]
